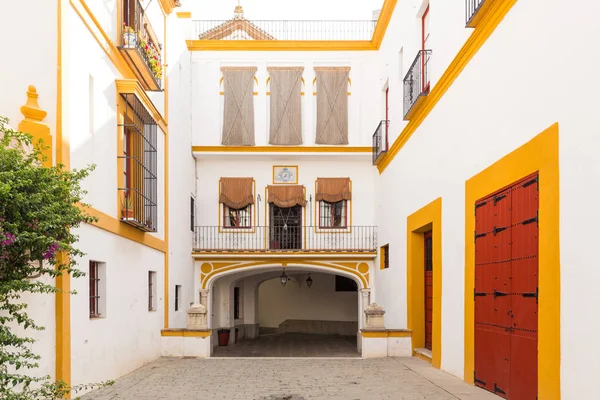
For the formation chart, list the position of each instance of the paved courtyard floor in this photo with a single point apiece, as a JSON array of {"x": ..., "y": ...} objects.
[
  {"x": 292, "y": 345},
  {"x": 289, "y": 379}
]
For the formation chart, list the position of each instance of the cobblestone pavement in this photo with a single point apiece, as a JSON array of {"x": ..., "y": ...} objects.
[
  {"x": 289, "y": 379},
  {"x": 292, "y": 345}
]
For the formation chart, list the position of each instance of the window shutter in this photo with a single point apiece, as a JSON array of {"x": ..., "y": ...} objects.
[
  {"x": 238, "y": 116},
  {"x": 332, "y": 105}
]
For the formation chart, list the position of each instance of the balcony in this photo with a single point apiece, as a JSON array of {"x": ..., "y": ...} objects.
[
  {"x": 285, "y": 239},
  {"x": 240, "y": 28},
  {"x": 140, "y": 46},
  {"x": 416, "y": 83},
  {"x": 380, "y": 140},
  {"x": 475, "y": 10}
]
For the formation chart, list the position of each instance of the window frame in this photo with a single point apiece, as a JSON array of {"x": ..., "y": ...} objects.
[
  {"x": 177, "y": 297},
  {"x": 384, "y": 254},
  {"x": 152, "y": 291},
  {"x": 345, "y": 210},
  {"x": 94, "y": 289}
]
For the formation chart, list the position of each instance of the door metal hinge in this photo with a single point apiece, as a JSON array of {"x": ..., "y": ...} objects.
[
  {"x": 498, "y": 390},
  {"x": 535, "y": 294},
  {"x": 475, "y": 294},
  {"x": 496, "y": 230},
  {"x": 478, "y": 235},
  {"x": 477, "y": 380},
  {"x": 534, "y": 219},
  {"x": 498, "y": 198},
  {"x": 531, "y": 182},
  {"x": 483, "y": 203},
  {"x": 498, "y": 294}
]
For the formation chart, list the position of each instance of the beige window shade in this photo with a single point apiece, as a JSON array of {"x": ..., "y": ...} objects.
[
  {"x": 332, "y": 105},
  {"x": 238, "y": 117},
  {"x": 236, "y": 193},
  {"x": 286, "y": 104},
  {"x": 333, "y": 190},
  {"x": 286, "y": 196}
]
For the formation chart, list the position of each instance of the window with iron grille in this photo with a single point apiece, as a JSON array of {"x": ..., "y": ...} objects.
[
  {"x": 236, "y": 303},
  {"x": 237, "y": 218},
  {"x": 94, "y": 282},
  {"x": 385, "y": 256},
  {"x": 177, "y": 296},
  {"x": 192, "y": 213},
  {"x": 139, "y": 192},
  {"x": 151, "y": 291},
  {"x": 333, "y": 215}
]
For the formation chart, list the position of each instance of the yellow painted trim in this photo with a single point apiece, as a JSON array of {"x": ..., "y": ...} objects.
[
  {"x": 541, "y": 155},
  {"x": 113, "y": 225},
  {"x": 399, "y": 333},
  {"x": 281, "y": 149},
  {"x": 386, "y": 333},
  {"x": 167, "y": 6},
  {"x": 33, "y": 125},
  {"x": 382, "y": 23},
  {"x": 288, "y": 183},
  {"x": 422, "y": 357},
  {"x": 133, "y": 86},
  {"x": 483, "y": 9},
  {"x": 304, "y": 256},
  {"x": 428, "y": 217},
  {"x": 372, "y": 334},
  {"x": 217, "y": 267},
  {"x": 62, "y": 307},
  {"x": 184, "y": 333},
  {"x": 479, "y": 36},
  {"x": 166, "y": 185},
  {"x": 184, "y": 14},
  {"x": 280, "y": 45}
]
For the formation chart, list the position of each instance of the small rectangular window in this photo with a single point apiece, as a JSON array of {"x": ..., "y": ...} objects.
[
  {"x": 192, "y": 213},
  {"x": 384, "y": 255},
  {"x": 236, "y": 303},
  {"x": 177, "y": 296},
  {"x": 151, "y": 291},
  {"x": 97, "y": 289}
]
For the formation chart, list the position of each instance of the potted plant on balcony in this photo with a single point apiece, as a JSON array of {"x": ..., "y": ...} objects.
[
  {"x": 126, "y": 207},
  {"x": 129, "y": 36}
]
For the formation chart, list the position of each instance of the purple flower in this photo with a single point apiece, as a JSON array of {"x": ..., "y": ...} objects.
[
  {"x": 51, "y": 252},
  {"x": 9, "y": 239}
]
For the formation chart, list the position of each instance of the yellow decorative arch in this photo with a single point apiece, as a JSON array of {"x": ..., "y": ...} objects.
[{"x": 209, "y": 271}]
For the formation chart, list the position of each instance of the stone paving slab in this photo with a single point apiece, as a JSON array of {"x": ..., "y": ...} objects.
[
  {"x": 289, "y": 379},
  {"x": 292, "y": 345}
]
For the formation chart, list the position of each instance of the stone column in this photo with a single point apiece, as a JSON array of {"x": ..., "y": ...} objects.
[
  {"x": 204, "y": 297},
  {"x": 365, "y": 299}
]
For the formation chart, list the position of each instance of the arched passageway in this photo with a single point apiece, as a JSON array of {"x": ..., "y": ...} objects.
[{"x": 291, "y": 311}]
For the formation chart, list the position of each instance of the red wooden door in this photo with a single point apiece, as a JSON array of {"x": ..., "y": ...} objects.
[
  {"x": 428, "y": 289},
  {"x": 506, "y": 291}
]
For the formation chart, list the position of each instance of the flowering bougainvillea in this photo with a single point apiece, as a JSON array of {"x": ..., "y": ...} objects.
[{"x": 39, "y": 208}]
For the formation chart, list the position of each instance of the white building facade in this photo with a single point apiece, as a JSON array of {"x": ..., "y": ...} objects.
[{"x": 430, "y": 164}]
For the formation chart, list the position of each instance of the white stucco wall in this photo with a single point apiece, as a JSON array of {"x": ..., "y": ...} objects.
[
  {"x": 128, "y": 336},
  {"x": 509, "y": 92},
  {"x": 295, "y": 300}
]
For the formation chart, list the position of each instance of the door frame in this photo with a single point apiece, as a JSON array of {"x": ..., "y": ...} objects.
[
  {"x": 427, "y": 218},
  {"x": 539, "y": 154}
]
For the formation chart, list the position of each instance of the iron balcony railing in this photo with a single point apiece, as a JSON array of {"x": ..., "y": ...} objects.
[
  {"x": 244, "y": 29},
  {"x": 416, "y": 81},
  {"x": 134, "y": 35},
  {"x": 471, "y": 9},
  {"x": 283, "y": 239},
  {"x": 380, "y": 140}
]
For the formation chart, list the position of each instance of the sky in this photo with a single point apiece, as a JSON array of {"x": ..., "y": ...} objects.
[{"x": 284, "y": 9}]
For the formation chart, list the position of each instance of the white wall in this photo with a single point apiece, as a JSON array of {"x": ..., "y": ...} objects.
[
  {"x": 129, "y": 335},
  {"x": 207, "y": 108},
  {"x": 295, "y": 300},
  {"x": 514, "y": 88}
]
